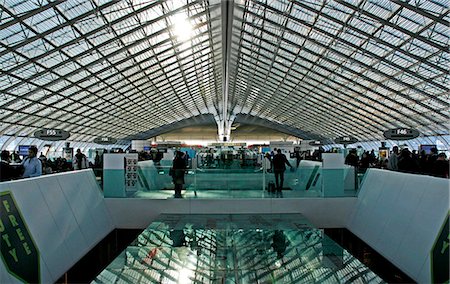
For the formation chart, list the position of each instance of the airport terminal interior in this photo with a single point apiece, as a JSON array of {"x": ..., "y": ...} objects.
[{"x": 224, "y": 141}]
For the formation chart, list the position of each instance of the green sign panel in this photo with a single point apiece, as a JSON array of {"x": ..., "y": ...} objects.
[
  {"x": 19, "y": 253},
  {"x": 439, "y": 256}
]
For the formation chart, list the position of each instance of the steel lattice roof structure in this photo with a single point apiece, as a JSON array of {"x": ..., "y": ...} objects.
[{"x": 322, "y": 69}]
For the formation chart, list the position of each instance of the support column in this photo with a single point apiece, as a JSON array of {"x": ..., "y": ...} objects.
[{"x": 224, "y": 120}]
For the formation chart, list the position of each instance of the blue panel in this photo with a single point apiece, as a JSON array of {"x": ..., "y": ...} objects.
[{"x": 114, "y": 183}]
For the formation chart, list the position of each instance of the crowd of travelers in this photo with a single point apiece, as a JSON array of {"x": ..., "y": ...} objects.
[
  {"x": 433, "y": 163},
  {"x": 153, "y": 155},
  {"x": 13, "y": 167}
]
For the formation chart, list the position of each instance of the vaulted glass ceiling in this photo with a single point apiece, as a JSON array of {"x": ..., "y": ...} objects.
[{"x": 120, "y": 68}]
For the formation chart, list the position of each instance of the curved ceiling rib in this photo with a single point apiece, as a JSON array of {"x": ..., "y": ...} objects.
[
  {"x": 314, "y": 76},
  {"x": 104, "y": 69},
  {"x": 208, "y": 119},
  {"x": 320, "y": 68}
]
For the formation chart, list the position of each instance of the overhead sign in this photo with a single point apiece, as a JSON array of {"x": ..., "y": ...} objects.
[
  {"x": 168, "y": 144},
  {"x": 401, "y": 134},
  {"x": 51, "y": 134},
  {"x": 105, "y": 140},
  {"x": 345, "y": 140},
  {"x": 440, "y": 255},
  {"x": 316, "y": 143},
  {"x": 227, "y": 144},
  {"x": 18, "y": 250}
]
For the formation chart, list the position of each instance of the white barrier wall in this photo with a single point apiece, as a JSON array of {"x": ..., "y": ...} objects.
[
  {"x": 119, "y": 174},
  {"x": 65, "y": 214},
  {"x": 397, "y": 214},
  {"x": 132, "y": 213},
  {"x": 400, "y": 215}
]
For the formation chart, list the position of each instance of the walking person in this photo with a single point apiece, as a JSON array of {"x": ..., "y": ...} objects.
[
  {"x": 267, "y": 163},
  {"x": 393, "y": 159},
  {"x": 178, "y": 169},
  {"x": 279, "y": 166},
  {"x": 80, "y": 161},
  {"x": 267, "y": 168}
]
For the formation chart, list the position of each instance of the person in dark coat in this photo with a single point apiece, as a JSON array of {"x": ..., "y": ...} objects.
[
  {"x": 6, "y": 170},
  {"x": 298, "y": 158},
  {"x": 406, "y": 163},
  {"x": 372, "y": 157},
  {"x": 364, "y": 163},
  {"x": 178, "y": 169},
  {"x": 432, "y": 157},
  {"x": 279, "y": 162},
  {"x": 441, "y": 166},
  {"x": 279, "y": 243},
  {"x": 423, "y": 162},
  {"x": 352, "y": 159},
  {"x": 178, "y": 237}
]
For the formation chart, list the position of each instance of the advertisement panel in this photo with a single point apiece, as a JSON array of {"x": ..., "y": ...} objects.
[{"x": 18, "y": 250}]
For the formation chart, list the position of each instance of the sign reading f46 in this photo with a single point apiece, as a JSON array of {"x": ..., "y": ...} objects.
[
  {"x": 18, "y": 251},
  {"x": 401, "y": 134}
]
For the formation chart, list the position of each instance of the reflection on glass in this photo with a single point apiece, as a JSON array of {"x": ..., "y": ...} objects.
[
  {"x": 235, "y": 249},
  {"x": 178, "y": 238},
  {"x": 279, "y": 243}
]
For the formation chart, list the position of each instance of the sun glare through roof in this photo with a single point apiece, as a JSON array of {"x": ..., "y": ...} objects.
[{"x": 183, "y": 27}]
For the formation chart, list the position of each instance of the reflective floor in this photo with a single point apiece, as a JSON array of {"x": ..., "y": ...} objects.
[
  {"x": 242, "y": 248},
  {"x": 218, "y": 194}
]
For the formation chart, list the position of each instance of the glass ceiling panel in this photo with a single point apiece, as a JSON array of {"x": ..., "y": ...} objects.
[
  {"x": 125, "y": 63},
  {"x": 435, "y": 7}
]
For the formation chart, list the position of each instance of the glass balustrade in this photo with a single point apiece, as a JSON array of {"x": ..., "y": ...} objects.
[{"x": 306, "y": 180}]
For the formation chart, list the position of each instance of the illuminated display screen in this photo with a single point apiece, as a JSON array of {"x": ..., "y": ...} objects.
[
  {"x": 426, "y": 148},
  {"x": 23, "y": 150}
]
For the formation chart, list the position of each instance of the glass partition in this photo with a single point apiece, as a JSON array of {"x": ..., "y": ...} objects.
[{"x": 306, "y": 180}]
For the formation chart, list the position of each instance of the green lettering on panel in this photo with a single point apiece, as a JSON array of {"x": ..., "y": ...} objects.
[
  {"x": 18, "y": 250},
  {"x": 439, "y": 255}
]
